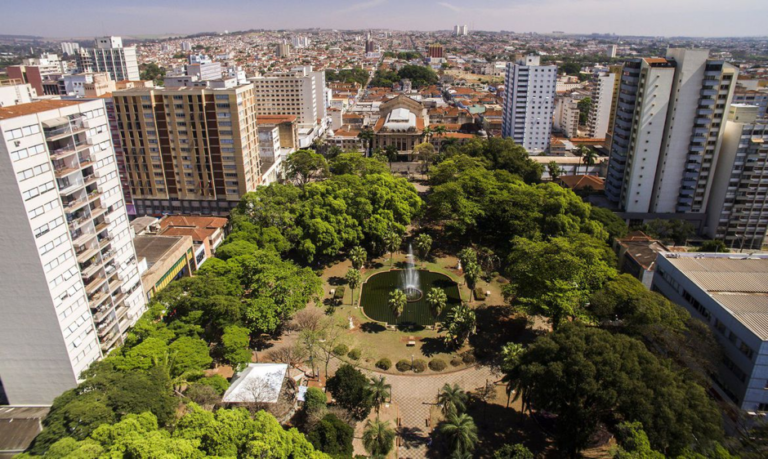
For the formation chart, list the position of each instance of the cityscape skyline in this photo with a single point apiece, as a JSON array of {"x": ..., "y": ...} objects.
[{"x": 705, "y": 18}]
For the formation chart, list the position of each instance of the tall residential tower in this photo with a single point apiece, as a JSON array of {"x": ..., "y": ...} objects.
[
  {"x": 69, "y": 273},
  {"x": 109, "y": 56}
]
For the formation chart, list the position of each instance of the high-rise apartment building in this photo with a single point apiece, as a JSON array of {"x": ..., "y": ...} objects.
[
  {"x": 300, "y": 92},
  {"x": 436, "y": 51},
  {"x": 300, "y": 42},
  {"x": 283, "y": 50},
  {"x": 602, "y": 109},
  {"x": 109, "y": 56},
  {"x": 38, "y": 72},
  {"x": 670, "y": 117},
  {"x": 738, "y": 204},
  {"x": 69, "y": 270},
  {"x": 611, "y": 51},
  {"x": 188, "y": 150},
  {"x": 69, "y": 48},
  {"x": 566, "y": 116},
  {"x": 460, "y": 30},
  {"x": 529, "y": 103}
]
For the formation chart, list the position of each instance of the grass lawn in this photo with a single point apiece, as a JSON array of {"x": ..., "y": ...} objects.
[{"x": 376, "y": 291}]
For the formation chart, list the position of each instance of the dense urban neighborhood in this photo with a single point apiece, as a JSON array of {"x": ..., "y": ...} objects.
[{"x": 337, "y": 243}]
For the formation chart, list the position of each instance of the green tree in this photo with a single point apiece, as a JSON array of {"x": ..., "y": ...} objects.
[
  {"x": 236, "y": 346},
  {"x": 554, "y": 170},
  {"x": 380, "y": 392},
  {"x": 419, "y": 75},
  {"x": 440, "y": 131},
  {"x": 315, "y": 400},
  {"x": 517, "y": 451},
  {"x": 471, "y": 273},
  {"x": 358, "y": 256},
  {"x": 584, "y": 106},
  {"x": 391, "y": 152},
  {"x": 677, "y": 231},
  {"x": 378, "y": 438},
  {"x": 460, "y": 432},
  {"x": 436, "y": 299},
  {"x": 425, "y": 152},
  {"x": 586, "y": 376},
  {"x": 332, "y": 436},
  {"x": 397, "y": 301},
  {"x": 353, "y": 279},
  {"x": 153, "y": 72},
  {"x": 715, "y": 245},
  {"x": 461, "y": 323},
  {"x": 613, "y": 224},
  {"x": 392, "y": 242},
  {"x": 352, "y": 391},
  {"x": 423, "y": 245},
  {"x": 367, "y": 135},
  {"x": 633, "y": 443},
  {"x": 355, "y": 163},
  {"x": 189, "y": 354},
  {"x": 452, "y": 399},
  {"x": 305, "y": 165}
]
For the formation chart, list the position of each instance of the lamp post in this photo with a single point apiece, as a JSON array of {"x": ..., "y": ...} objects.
[{"x": 412, "y": 369}]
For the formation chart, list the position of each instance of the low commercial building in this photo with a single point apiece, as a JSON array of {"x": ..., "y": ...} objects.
[
  {"x": 637, "y": 254},
  {"x": 729, "y": 292},
  {"x": 207, "y": 233},
  {"x": 167, "y": 258}
]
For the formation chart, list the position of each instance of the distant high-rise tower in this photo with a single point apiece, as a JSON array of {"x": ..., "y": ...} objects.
[
  {"x": 529, "y": 103},
  {"x": 460, "y": 30},
  {"x": 283, "y": 50},
  {"x": 370, "y": 46},
  {"x": 111, "y": 57},
  {"x": 601, "y": 110},
  {"x": 670, "y": 117},
  {"x": 69, "y": 271},
  {"x": 69, "y": 48},
  {"x": 611, "y": 51}
]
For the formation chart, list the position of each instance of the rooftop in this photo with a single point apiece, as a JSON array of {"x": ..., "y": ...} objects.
[
  {"x": 31, "y": 108},
  {"x": 259, "y": 383},
  {"x": 19, "y": 425},
  {"x": 154, "y": 248},
  {"x": 642, "y": 248},
  {"x": 739, "y": 282}
]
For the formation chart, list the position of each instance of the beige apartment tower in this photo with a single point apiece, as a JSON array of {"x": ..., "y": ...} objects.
[{"x": 189, "y": 150}]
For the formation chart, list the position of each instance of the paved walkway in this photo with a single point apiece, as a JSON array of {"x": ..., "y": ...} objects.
[{"x": 415, "y": 394}]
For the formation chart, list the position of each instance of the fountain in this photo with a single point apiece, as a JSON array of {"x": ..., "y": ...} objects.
[{"x": 409, "y": 278}]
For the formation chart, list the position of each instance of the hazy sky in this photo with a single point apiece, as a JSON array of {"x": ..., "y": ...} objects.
[{"x": 82, "y": 18}]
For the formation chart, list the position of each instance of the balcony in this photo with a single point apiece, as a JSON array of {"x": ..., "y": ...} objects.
[
  {"x": 705, "y": 111},
  {"x": 84, "y": 253},
  {"x": 109, "y": 341},
  {"x": 71, "y": 128}
]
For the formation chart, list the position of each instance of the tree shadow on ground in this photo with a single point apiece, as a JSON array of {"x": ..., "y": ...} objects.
[
  {"x": 410, "y": 327},
  {"x": 412, "y": 437},
  {"x": 432, "y": 346},
  {"x": 375, "y": 265},
  {"x": 497, "y": 326},
  {"x": 336, "y": 281},
  {"x": 498, "y": 425},
  {"x": 372, "y": 327}
]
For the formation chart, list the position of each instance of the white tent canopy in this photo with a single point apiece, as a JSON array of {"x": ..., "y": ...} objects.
[{"x": 259, "y": 383}]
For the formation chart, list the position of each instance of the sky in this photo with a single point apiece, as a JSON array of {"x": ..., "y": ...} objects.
[{"x": 83, "y": 18}]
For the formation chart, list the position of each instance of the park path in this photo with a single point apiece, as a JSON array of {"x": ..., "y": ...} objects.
[{"x": 414, "y": 395}]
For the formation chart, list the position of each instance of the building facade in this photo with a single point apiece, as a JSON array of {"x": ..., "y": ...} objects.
[
  {"x": 602, "y": 108},
  {"x": 188, "y": 150},
  {"x": 667, "y": 132},
  {"x": 566, "y": 116},
  {"x": 529, "y": 103},
  {"x": 111, "y": 57},
  {"x": 69, "y": 262},
  {"x": 728, "y": 292},
  {"x": 300, "y": 92},
  {"x": 738, "y": 203}
]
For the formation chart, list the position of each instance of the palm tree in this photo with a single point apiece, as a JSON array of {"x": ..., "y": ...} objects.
[
  {"x": 440, "y": 131},
  {"x": 427, "y": 133},
  {"x": 460, "y": 431},
  {"x": 380, "y": 392},
  {"x": 366, "y": 135},
  {"x": 397, "y": 301},
  {"x": 378, "y": 438},
  {"x": 583, "y": 150},
  {"x": 353, "y": 279},
  {"x": 391, "y": 153},
  {"x": 358, "y": 256},
  {"x": 436, "y": 299},
  {"x": 554, "y": 170},
  {"x": 452, "y": 399},
  {"x": 589, "y": 158},
  {"x": 392, "y": 242}
]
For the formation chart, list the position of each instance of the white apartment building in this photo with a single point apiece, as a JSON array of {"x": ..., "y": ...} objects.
[
  {"x": 602, "y": 104},
  {"x": 14, "y": 92},
  {"x": 460, "y": 30},
  {"x": 667, "y": 132},
  {"x": 109, "y": 56},
  {"x": 738, "y": 204},
  {"x": 300, "y": 92},
  {"x": 69, "y": 272},
  {"x": 566, "y": 117},
  {"x": 69, "y": 48},
  {"x": 300, "y": 42},
  {"x": 529, "y": 103}
]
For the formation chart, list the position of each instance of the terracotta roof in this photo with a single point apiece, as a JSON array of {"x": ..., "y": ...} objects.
[
  {"x": 31, "y": 108},
  {"x": 577, "y": 182},
  {"x": 272, "y": 119},
  {"x": 189, "y": 221},
  {"x": 197, "y": 234},
  {"x": 450, "y": 127},
  {"x": 459, "y": 135}
]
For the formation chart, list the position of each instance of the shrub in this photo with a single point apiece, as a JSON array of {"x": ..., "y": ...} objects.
[
  {"x": 468, "y": 358},
  {"x": 339, "y": 293},
  {"x": 217, "y": 382},
  {"x": 456, "y": 361},
  {"x": 403, "y": 365},
  {"x": 202, "y": 394},
  {"x": 314, "y": 400},
  {"x": 479, "y": 294},
  {"x": 384, "y": 364},
  {"x": 341, "y": 349},
  {"x": 354, "y": 354},
  {"x": 419, "y": 365},
  {"x": 437, "y": 365}
]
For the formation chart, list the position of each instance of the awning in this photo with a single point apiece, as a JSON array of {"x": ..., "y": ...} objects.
[{"x": 56, "y": 122}]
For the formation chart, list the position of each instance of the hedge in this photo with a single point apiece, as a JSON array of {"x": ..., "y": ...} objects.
[
  {"x": 341, "y": 349},
  {"x": 339, "y": 293},
  {"x": 403, "y": 365},
  {"x": 437, "y": 365},
  {"x": 354, "y": 354},
  {"x": 419, "y": 366},
  {"x": 384, "y": 364},
  {"x": 479, "y": 294}
]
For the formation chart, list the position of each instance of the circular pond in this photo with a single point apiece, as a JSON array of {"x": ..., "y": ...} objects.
[{"x": 376, "y": 290}]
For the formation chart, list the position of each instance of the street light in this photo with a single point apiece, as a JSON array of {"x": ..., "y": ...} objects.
[{"x": 414, "y": 370}]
